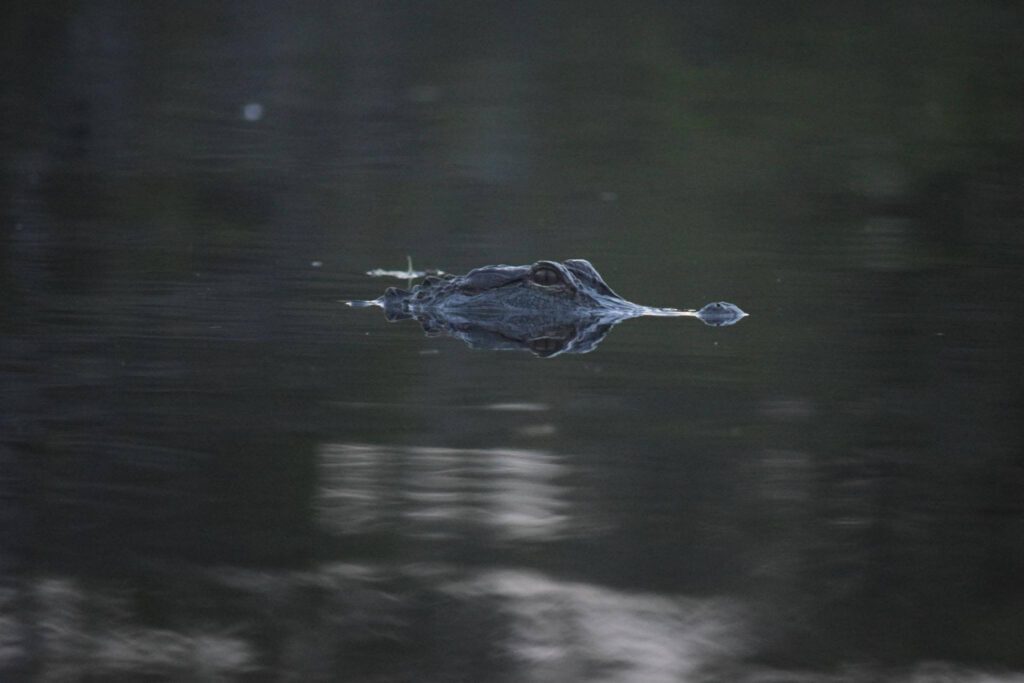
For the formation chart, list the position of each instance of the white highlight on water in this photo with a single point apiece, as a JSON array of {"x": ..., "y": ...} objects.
[{"x": 253, "y": 111}]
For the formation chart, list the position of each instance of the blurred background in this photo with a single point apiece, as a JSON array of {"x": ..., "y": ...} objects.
[{"x": 212, "y": 470}]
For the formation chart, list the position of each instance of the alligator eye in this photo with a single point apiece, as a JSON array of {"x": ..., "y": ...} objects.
[{"x": 546, "y": 275}]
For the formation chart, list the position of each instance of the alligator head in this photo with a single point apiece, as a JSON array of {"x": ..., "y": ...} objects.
[{"x": 547, "y": 308}]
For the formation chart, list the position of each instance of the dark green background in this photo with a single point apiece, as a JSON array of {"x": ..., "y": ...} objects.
[{"x": 212, "y": 470}]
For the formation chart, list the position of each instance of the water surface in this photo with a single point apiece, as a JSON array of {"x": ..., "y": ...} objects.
[{"x": 214, "y": 470}]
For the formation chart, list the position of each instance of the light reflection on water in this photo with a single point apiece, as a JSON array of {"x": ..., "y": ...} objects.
[
  {"x": 74, "y": 632},
  {"x": 444, "y": 492},
  {"x": 570, "y": 631},
  {"x": 289, "y": 624}
]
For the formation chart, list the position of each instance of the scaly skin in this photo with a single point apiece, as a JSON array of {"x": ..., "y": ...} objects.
[{"x": 547, "y": 307}]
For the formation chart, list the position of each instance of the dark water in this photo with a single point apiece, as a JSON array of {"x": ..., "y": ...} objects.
[{"x": 212, "y": 470}]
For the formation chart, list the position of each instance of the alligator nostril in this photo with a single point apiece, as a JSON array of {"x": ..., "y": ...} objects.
[{"x": 720, "y": 314}]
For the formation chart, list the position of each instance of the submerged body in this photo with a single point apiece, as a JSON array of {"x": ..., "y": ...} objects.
[{"x": 547, "y": 307}]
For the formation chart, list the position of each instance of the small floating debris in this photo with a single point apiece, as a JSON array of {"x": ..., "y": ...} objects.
[
  {"x": 403, "y": 274},
  {"x": 379, "y": 303},
  {"x": 407, "y": 274}
]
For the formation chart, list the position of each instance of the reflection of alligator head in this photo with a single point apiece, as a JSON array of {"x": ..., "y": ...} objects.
[{"x": 547, "y": 308}]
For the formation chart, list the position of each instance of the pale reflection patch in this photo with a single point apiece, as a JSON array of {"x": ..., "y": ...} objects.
[
  {"x": 565, "y": 631},
  {"x": 413, "y": 622},
  {"x": 74, "y": 633},
  {"x": 523, "y": 407},
  {"x": 514, "y": 494}
]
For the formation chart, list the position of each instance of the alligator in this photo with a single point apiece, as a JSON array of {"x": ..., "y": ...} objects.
[{"x": 547, "y": 308}]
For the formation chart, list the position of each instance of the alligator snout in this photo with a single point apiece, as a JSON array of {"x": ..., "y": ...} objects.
[{"x": 720, "y": 314}]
